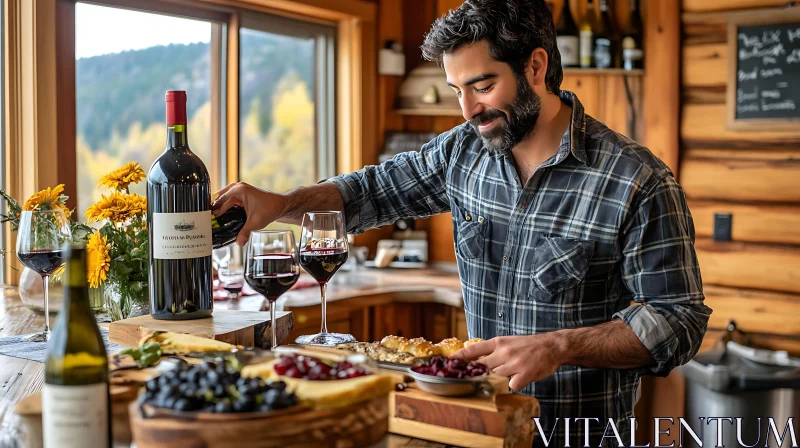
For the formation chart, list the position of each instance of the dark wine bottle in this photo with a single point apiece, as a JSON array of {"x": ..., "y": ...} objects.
[
  {"x": 76, "y": 409},
  {"x": 179, "y": 224},
  {"x": 632, "y": 52},
  {"x": 604, "y": 39},
  {"x": 225, "y": 227},
  {"x": 567, "y": 38}
]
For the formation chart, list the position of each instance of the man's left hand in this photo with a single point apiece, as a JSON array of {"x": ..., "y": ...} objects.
[{"x": 524, "y": 359}]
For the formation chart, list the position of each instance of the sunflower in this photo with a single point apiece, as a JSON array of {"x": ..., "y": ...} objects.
[
  {"x": 120, "y": 179},
  {"x": 48, "y": 199},
  {"x": 118, "y": 207},
  {"x": 98, "y": 260}
]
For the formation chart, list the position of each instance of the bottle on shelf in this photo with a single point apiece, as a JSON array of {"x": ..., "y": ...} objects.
[
  {"x": 588, "y": 29},
  {"x": 76, "y": 406},
  {"x": 604, "y": 38},
  {"x": 633, "y": 38},
  {"x": 179, "y": 224},
  {"x": 568, "y": 38}
]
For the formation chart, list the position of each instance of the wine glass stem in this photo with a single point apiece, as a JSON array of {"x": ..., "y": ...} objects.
[
  {"x": 272, "y": 313},
  {"x": 323, "y": 287},
  {"x": 46, "y": 280}
]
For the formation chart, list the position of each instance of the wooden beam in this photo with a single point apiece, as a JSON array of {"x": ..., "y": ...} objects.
[
  {"x": 66, "y": 126},
  {"x": 703, "y": 125},
  {"x": 753, "y": 310},
  {"x": 232, "y": 99},
  {"x": 704, "y": 65},
  {"x": 331, "y": 10},
  {"x": 785, "y": 155},
  {"x": 767, "y": 341},
  {"x": 704, "y": 28},
  {"x": 758, "y": 223},
  {"x": 749, "y": 265},
  {"x": 662, "y": 80},
  {"x": 727, "y": 5},
  {"x": 741, "y": 180}
]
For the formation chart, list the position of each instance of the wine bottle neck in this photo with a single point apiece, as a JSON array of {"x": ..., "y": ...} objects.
[
  {"x": 565, "y": 8},
  {"x": 176, "y": 136},
  {"x": 634, "y": 5}
]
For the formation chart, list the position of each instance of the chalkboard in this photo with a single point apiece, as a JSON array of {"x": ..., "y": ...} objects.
[{"x": 764, "y": 83}]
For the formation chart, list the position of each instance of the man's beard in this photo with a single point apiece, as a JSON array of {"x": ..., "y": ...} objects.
[{"x": 520, "y": 121}]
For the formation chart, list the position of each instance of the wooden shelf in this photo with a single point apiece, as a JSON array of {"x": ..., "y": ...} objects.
[
  {"x": 439, "y": 112},
  {"x": 603, "y": 71}
]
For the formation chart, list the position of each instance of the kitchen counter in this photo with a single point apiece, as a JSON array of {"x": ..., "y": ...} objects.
[{"x": 440, "y": 284}]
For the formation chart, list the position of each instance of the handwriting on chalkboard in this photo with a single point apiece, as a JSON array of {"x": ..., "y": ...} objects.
[{"x": 768, "y": 71}]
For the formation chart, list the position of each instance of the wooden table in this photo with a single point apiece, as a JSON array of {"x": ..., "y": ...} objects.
[{"x": 20, "y": 377}]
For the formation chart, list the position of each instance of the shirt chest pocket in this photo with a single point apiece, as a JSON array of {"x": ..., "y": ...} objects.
[
  {"x": 471, "y": 229},
  {"x": 559, "y": 264}
]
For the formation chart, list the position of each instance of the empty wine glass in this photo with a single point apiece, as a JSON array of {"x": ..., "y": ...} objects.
[
  {"x": 271, "y": 267},
  {"x": 221, "y": 257},
  {"x": 323, "y": 250},
  {"x": 232, "y": 279},
  {"x": 40, "y": 240}
]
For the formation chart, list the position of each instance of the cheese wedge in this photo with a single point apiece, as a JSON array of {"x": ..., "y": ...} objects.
[
  {"x": 327, "y": 394},
  {"x": 179, "y": 343}
]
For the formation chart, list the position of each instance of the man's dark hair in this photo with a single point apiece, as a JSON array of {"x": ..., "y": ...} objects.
[{"x": 513, "y": 29}]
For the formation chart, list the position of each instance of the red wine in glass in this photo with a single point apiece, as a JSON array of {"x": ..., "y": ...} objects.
[
  {"x": 271, "y": 267},
  {"x": 322, "y": 263},
  {"x": 233, "y": 288},
  {"x": 272, "y": 286},
  {"x": 43, "y": 262}
]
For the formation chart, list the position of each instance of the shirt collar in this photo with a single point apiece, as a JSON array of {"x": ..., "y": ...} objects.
[{"x": 573, "y": 141}]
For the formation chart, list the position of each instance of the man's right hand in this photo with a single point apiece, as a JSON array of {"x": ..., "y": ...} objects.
[{"x": 262, "y": 207}]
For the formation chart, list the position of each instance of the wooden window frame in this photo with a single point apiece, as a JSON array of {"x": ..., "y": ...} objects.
[{"x": 39, "y": 44}]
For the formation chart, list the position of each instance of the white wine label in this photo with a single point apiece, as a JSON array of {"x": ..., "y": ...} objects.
[
  {"x": 178, "y": 236},
  {"x": 75, "y": 416},
  {"x": 568, "y": 47}
]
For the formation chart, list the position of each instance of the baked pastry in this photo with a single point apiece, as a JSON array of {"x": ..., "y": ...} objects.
[
  {"x": 448, "y": 346},
  {"x": 420, "y": 348},
  {"x": 472, "y": 341},
  {"x": 393, "y": 342}
]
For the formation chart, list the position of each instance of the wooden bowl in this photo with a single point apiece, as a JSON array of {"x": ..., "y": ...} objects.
[{"x": 357, "y": 425}]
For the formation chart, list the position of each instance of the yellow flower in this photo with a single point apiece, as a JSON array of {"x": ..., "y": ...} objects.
[
  {"x": 98, "y": 260},
  {"x": 118, "y": 207},
  {"x": 48, "y": 199},
  {"x": 120, "y": 179}
]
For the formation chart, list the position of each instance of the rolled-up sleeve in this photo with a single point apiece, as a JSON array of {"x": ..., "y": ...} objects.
[
  {"x": 660, "y": 268},
  {"x": 410, "y": 185}
]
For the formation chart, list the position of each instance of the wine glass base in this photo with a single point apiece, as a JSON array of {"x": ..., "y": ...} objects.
[
  {"x": 325, "y": 339},
  {"x": 42, "y": 336}
]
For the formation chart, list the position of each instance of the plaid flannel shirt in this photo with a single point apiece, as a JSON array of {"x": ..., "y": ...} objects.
[{"x": 599, "y": 225}]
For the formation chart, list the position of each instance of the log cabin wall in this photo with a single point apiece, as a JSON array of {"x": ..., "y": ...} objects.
[
  {"x": 407, "y": 22},
  {"x": 755, "y": 176}
]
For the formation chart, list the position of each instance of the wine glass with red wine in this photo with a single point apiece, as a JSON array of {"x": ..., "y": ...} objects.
[
  {"x": 232, "y": 279},
  {"x": 323, "y": 250},
  {"x": 271, "y": 267},
  {"x": 40, "y": 240}
]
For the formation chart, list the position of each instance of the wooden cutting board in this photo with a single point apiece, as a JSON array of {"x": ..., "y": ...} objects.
[
  {"x": 246, "y": 328},
  {"x": 503, "y": 420}
]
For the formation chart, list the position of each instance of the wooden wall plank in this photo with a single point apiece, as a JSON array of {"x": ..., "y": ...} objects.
[
  {"x": 749, "y": 265},
  {"x": 742, "y": 154},
  {"x": 704, "y": 28},
  {"x": 662, "y": 81},
  {"x": 741, "y": 180},
  {"x": 587, "y": 88},
  {"x": 727, "y": 5},
  {"x": 704, "y": 65},
  {"x": 753, "y": 310},
  {"x": 767, "y": 341},
  {"x": 703, "y": 125},
  {"x": 758, "y": 222}
]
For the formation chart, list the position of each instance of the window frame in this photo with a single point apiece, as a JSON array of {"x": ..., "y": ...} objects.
[{"x": 40, "y": 96}]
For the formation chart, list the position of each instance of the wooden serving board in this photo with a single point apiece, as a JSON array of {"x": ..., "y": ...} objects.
[
  {"x": 246, "y": 328},
  {"x": 501, "y": 420}
]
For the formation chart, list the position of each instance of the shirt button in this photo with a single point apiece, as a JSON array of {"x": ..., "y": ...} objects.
[
  {"x": 500, "y": 314},
  {"x": 505, "y": 258},
  {"x": 468, "y": 218}
]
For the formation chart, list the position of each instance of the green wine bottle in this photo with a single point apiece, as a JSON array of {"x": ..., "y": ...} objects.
[{"x": 76, "y": 407}]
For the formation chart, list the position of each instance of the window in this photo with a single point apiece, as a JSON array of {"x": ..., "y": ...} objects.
[
  {"x": 125, "y": 61},
  {"x": 286, "y": 123}
]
